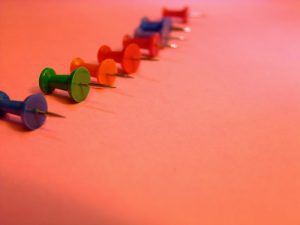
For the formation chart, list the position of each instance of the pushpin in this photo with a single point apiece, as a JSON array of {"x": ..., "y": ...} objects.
[
  {"x": 164, "y": 38},
  {"x": 129, "y": 57},
  {"x": 183, "y": 14},
  {"x": 165, "y": 23},
  {"x": 150, "y": 43},
  {"x": 33, "y": 110},
  {"x": 105, "y": 72},
  {"x": 77, "y": 84}
]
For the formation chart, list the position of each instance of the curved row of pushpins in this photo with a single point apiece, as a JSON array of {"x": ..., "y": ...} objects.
[{"x": 150, "y": 37}]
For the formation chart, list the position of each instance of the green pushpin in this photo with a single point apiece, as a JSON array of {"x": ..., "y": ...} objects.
[{"x": 77, "y": 83}]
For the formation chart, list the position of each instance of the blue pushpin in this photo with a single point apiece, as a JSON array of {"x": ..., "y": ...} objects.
[
  {"x": 33, "y": 110},
  {"x": 163, "y": 27},
  {"x": 150, "y": 25}
]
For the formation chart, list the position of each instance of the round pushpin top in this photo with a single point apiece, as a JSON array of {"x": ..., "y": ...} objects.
[
  {"x": 77, "y": 84},
  {"x": 4, "y": 98},
  {"x": 181, "y": 14},
  {"x": 129, "y": 57},
  {"x": 29, "y": 109},
  {"x": 150, "y": 43},
  {"x": 32, "y": 103},
  {"x": 107, "y": 71}
]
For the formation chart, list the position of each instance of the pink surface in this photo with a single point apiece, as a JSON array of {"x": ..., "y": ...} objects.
[{"x": 208, "y": 135}]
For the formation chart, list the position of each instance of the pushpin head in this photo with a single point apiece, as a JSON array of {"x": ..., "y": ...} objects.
[
  {"x": 3, "y": 97},
  {"x": 79, "y": 84},
  {"x": 76, "y": 63},
  {"x": 166, "y": 27},
  {"x": 31, "y": 119},
  {"x": 103, "y": 53},
  {"x": 106, "y": 72},
  {"x": 131, "y": 59},
  {"x": 46, "y": 75}
]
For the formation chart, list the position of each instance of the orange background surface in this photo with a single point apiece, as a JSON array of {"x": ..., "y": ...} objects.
[{"x": 208, "y": 135}]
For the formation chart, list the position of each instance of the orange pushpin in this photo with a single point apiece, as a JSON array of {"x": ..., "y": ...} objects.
[
  {"x": 105, "y": 72},
  {"x": 151, "y": 43},
  {"x": 129, "y": 57}
]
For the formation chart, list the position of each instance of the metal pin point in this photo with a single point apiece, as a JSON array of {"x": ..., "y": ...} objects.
[
  {"x": 196, "y": 14},
  {"x": 185, "y": 29},
  {"x": 146, "y": 58},
  {"x": 123, "y": 75},
  {"x": 48, "y": 113},
  {"x": 169, "y": 45},
  {"x": 179, "y": 38},
  {"x": 149, "y": 58},
  {"x": 95, "y": 85}
]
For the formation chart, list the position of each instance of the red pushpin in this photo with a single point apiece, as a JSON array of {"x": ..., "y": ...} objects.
[
  {"x": 151, "y": 43},
  {"x": 129, "y": 57},
  {"x": 183, "y": 14}
]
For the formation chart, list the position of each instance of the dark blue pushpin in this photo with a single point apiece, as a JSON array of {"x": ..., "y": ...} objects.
[
  {"x": 163, "y": 25},
  {"x": 150, "y": 25},
  {"x": 33, "y": 109}
]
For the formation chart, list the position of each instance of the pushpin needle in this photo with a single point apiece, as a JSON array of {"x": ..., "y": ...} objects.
[
  {"x": 98, "y": 85},
  {"x": 48, "y": 113},
  {"x": 184, "y": 29},
  {"x": 168, "y": 46},
  {"x": 180, "y": 38},
  {"x": 124, "y": 75},
  {"x": 149, "y": 58}
]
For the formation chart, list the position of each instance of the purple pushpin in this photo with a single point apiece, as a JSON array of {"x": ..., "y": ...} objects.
[{"x": 33, "y": 110}]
